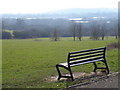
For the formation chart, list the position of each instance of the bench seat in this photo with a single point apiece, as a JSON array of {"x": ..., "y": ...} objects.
[{"x": 66, "y": 64}]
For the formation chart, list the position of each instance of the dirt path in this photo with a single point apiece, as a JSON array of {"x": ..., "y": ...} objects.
[
  {"x": 109, "y": 81},
  {"x": 91, "y": 80}
]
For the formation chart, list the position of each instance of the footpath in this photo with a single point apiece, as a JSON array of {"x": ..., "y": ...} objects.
[{"x": 99, "y": 81}]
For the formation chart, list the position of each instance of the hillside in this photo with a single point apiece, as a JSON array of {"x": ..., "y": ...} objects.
[{"x": 69, "y": 13}]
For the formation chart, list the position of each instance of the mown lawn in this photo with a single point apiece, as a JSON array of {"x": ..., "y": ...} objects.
[{"x": 27, "y": 63}]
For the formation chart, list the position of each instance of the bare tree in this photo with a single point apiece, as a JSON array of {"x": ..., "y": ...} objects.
[
  {"x": 102, "y": 31},
  {"x": 79, "y": 31},
  {"x": 73, "y": 29},
  {"x": 95, "y": 31},
  {"x": 3, "y": 25},
  {"x": 115, "y": 28},
  {"x": 55, "y": 35},
  {"x": 20, "y": 24}
]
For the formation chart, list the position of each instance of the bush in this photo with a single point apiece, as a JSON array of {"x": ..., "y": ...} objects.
[
  {"x": 26, "y": 34},
  {"x": 21, "y": 34},
  {"x": 6, "y": 35}
]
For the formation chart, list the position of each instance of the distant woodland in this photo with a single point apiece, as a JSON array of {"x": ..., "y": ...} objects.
[{"x": 68, "y": 24}]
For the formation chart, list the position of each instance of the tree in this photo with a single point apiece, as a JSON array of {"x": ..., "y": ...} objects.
[
  {"x": 79, "y": 31},
  {"x": 115, "y": 28},
  {"x": 3, "y": 25},
  {"x": 0, "y": 34},
  {"x": 21, "y": 34},
  {"x": 20, "y": 24},
  {"x": 55, "y": 35},
  {"x": 34, "y": 33},
  {"x": 102, "y": 31},
  {"x": 73, "y": 29},
  {"x": 95, "y": 31},
  {"x": 6, "y": 35}
]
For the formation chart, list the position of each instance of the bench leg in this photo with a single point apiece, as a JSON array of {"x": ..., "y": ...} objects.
[
  {"x": 95, "y": 66},
  {"x": 106, "y": 66},
  {"x": 59, "y": 74},
  {"x": 71, "y": 74}
]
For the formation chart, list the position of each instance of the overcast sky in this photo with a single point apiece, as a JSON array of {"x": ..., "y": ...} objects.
[{"x": 40, "y": 6}]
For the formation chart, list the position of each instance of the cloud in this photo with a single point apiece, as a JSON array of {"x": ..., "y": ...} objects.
[{"x": 37, "y": 6}]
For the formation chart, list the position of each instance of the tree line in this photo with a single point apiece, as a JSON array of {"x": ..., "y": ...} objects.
[{"x": 23, "y": 29}]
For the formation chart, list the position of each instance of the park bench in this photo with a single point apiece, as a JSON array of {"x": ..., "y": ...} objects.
[{"x": 83, "y": 57}]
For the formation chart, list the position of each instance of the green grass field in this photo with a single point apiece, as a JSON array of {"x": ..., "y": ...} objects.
[{"x": 29, "y": 63}]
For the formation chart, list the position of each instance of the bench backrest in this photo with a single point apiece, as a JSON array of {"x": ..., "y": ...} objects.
[{"x": 90, "y": 55}]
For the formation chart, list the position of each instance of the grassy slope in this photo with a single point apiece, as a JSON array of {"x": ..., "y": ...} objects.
[{"x": 27, "y": 63}]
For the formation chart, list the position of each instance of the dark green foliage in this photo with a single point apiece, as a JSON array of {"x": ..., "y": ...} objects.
[
  {"x": 47, "y": 25},
  {"x": 21, "y": 34},
  {"x": 26, "y": 34},
  {"x": 20, "y": 24},
  {"x": 6, "y": 35}
]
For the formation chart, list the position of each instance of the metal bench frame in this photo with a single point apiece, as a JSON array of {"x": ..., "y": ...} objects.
[{"x": 83, "y": 57}]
